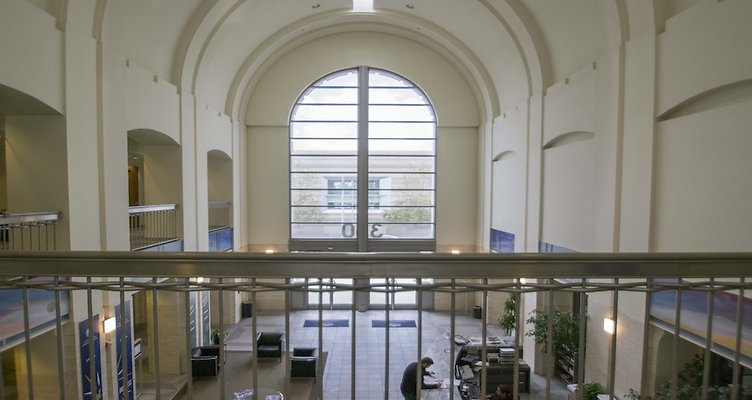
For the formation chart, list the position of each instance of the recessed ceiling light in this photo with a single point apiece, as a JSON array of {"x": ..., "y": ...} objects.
[{"x": 410, "y": 5}]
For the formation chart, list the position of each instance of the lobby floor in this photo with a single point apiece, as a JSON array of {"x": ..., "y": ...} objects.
[{"x": 370, "y": 354}]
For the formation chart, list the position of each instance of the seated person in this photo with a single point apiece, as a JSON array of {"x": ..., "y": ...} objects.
[{"x": 503, "y": 392}]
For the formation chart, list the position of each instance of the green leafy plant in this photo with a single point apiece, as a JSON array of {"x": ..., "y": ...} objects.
[
  {"x": 591, "y": 390},
  {"x": 217, "y": 334},
  {"x": 508, "y": 320},
  {"x": 565, "y": 335}
]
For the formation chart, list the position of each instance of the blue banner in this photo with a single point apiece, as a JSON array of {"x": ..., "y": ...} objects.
[
  {"x": 124, "y": 327},
  {"x": 84, "y": 336}
]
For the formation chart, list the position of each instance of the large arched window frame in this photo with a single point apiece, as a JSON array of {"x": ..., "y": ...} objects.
[{"x": 363, "y": 128}]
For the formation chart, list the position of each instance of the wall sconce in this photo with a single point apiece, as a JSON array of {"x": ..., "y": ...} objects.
[
  {"x": 608, "y": 325},
  {"x": 523, "y": 281},
  {"x": 269, "y": 251},
  {"x": 109, "y": 325},
  {"x": 455, "y": 252}
]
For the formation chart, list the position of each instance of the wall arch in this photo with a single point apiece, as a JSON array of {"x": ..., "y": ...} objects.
[{"x": 276, "y": 91}]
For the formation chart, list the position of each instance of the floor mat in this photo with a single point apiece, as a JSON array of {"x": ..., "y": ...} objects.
[
  {"x": 395, "y": 323},
  {"x": 327, "y": 323}
]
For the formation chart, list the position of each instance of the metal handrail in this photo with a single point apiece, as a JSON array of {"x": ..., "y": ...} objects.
[
  {"x": 152, "y": 208},
  {"x": 29, "y": 217},
  {"x": 437, "y": 265}
]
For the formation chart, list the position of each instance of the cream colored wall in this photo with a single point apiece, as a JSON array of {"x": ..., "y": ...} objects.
[
  {"x": 82, "y": 142},
  {"x": 43, "y": 78},
  {"x": 267, "y": 193},
  {"x": 276, "y": 91},
  {"x": 36, "y": 168}
]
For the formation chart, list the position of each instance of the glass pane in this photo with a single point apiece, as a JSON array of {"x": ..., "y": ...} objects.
[
  {"x": 406, "y": 180},
  {"x": 344, "y": 78},
  {"x": 389, "y": 198},
  {"x": 407, "y": 164},
  {"x": 400, "y": 231},
  {"x": 323, "y": 163},
  {"x": 343, "y": 297},
  {"x": 382, "y": 78},
  {"x": 324, "y": 130},
  {"x": 399, "y": 113},
  {"x": 404, "y": 214},
  {"x": 330, "y": 96},
  {"x": 401, "y": 146},
  {"x": 315, "y": 112},
  {"x": 401, "y": 129},
  {"x": 377, "y": 295},
  {"x": 324, "y": 146},
  {"x": 396, "y": 96},
  {"x": 345, "y": 230},
  {"x": 322, "y": 213},
  {"x": 308, "y": 198}
]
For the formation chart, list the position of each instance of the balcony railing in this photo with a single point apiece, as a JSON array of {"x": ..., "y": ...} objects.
[
  {"x": 152, "y": 225},
  {"x": 29, "y": 231},
  {"x": 659, "y": 279}
]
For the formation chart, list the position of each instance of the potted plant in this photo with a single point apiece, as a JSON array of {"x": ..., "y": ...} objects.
[
  {"x": 565, "y": 335},
  {"x": 590, "y": 391},
  {"x": 217, "y": 334},
  {"x": 508, "y": 320}
]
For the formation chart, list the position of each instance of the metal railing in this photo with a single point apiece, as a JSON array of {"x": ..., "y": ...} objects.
[
  {"x": 152, "y": 225},
  {"x": 113, "y": 274},
  {"x": 29, "y": 231}
]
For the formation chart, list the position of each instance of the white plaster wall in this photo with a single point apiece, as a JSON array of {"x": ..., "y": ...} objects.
[
  {"x": 267, "y": 191},
  {"x": 702, "y": 185},
  {"x": 704, "y": 47},
  {"x": 637, "y": 149},
  {"x": 190, "y": 177},
  {"x": 149, "y": 32},
  {"x": 82, "y": 141},
  {"x": 151, "y": 103},
  {"x": 567, "y": 217},
  {"x": 33, "y": 53},
  {"x": 456, "y": 187},
  {"x": 282, "y": 83},
  {"x": 114, "y": 153},
  {"x": 509, "y": 174}
]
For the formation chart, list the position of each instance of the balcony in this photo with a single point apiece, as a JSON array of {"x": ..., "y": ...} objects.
[
  {"x": 33, "y": 231},
  {"x": 171, "y": 301},
  {"x": 154, "y": 228}
]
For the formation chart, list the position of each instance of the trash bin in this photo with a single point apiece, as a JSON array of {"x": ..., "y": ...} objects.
[
  {"x": 246, "y": 310},
  {"x": 477, "y": 312}
]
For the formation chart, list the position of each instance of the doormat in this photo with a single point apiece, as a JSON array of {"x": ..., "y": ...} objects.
[
  {"x": 394, "y": 323},
  {"x": 327, "y": 323}
]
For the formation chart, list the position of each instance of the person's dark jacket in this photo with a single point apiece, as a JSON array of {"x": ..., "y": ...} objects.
[{"x": 409, "y": 382}]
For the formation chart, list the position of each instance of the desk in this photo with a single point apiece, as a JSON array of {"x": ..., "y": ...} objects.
[{"x": 498, "y": 373}]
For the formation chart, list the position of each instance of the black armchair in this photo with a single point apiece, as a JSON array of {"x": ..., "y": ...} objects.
[
  {"x": 205, "y": 361},
  {"x": 269, "y": 345},
  {"x": 303, "y": 362}
]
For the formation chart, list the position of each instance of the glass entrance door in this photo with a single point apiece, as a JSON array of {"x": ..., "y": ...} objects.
[
  {"x": 330, "y": 298},
  {"x": 400, "y": 299}
]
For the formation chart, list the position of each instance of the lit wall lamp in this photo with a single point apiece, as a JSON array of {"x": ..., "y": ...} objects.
[
  {"x": 269, "y": 251},
  {"x": 109, "y": 325},
  {"x": 455, "y": 252},
  {"x": 609, "y": 325}
]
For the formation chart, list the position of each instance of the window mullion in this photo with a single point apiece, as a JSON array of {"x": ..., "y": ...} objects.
[{"x": 362, "y": 158}]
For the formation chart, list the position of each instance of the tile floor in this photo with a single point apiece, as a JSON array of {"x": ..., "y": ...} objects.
[{"x": 371, "y": 350}]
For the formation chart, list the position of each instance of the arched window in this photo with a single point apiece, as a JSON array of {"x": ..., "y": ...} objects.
[{"x": 362, "y": 164}]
